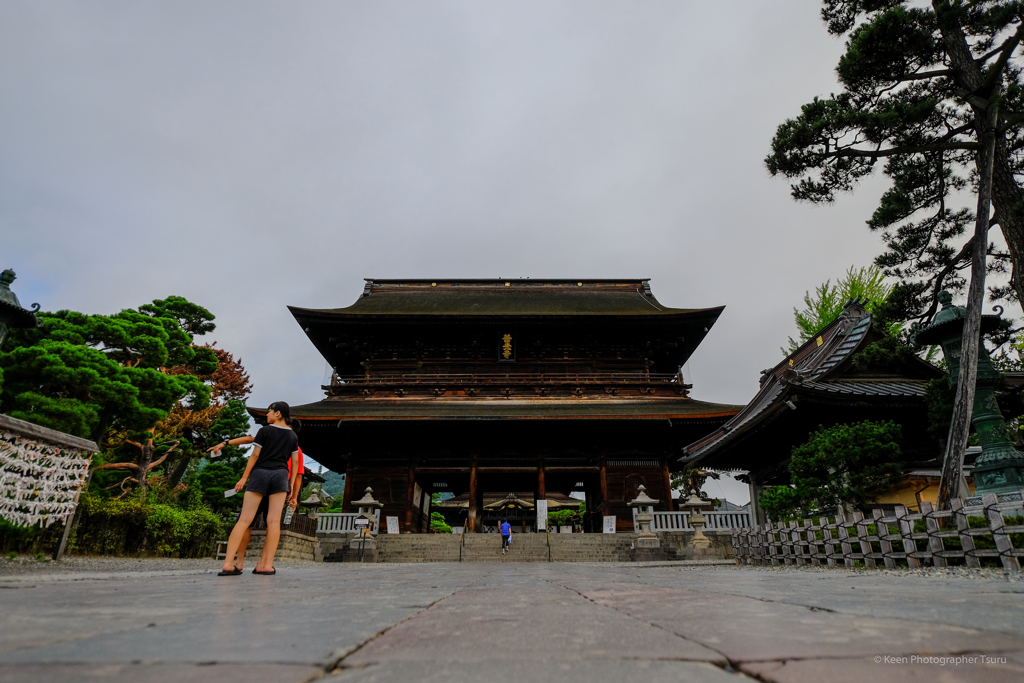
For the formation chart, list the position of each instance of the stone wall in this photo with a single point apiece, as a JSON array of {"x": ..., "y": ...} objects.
[
  {"x": 676, "y": 543},
  {"x": 330, "y": 543},
  {"x": 292, "y": 546}
]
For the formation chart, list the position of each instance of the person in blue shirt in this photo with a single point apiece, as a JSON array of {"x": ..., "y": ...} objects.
[{"x": 506, "y": 535}]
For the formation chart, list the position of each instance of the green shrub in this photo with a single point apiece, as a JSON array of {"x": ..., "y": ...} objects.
[
  {"x": 131, "y": 527},
  {"x": 438, "y": 525}
]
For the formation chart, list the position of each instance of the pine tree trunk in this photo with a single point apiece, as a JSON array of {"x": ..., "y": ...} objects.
[
  {"x": 951, "y": 482},
  {"x": 145, "y": 458},
  {"x": 179, "y": 471},
  {"x": 1008, "y": 202}
]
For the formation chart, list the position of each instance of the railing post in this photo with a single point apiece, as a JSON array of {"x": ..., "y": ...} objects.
[
  {"x": 999, "y": 536},
  {"x": 861, "y": 528},
  {"x": 931, "y": 526},
  {"x": 826, "y": 538},
  {"x": 963, "y": 526},
  {"x": 909, "y": 544}
]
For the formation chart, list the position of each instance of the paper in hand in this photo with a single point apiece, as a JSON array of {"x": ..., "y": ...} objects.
[{"x": 230, "y": 492}]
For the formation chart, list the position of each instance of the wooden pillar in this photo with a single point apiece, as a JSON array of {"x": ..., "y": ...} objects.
[
  {"x": 58, "y": 552},
  {"x": 409, "y": 493},
  {"x": 604, "y": 485},
  {"x": 757, "y": 516},
  {"x": 472, "y": 497},
  {"x": 346, "y": 498},
  {"x": 667, "y": 476},
  {"x": 588, "y": 526}
]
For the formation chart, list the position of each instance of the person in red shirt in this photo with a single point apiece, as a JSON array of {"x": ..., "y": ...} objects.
[{"x": 294, "y": 480}]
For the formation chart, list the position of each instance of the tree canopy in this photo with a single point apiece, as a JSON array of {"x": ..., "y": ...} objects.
[
  {"x": 843, "y": 465},
  {"x": 87, "y": 374},
  {"x": 918, "y": 82},
  {"x": 828, "y": 301}
]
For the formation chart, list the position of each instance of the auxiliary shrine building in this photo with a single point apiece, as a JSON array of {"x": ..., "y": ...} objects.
[{"x": 494, "y": 387}]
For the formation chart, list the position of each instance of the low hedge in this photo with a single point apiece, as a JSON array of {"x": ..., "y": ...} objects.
[{"x": 133, "y": 527}]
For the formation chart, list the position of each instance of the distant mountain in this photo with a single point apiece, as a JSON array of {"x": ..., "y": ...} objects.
[{"x": 334, "y": 483}]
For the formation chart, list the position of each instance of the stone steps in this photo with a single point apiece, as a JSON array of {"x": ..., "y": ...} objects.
[{"x": 487, "y": 548}]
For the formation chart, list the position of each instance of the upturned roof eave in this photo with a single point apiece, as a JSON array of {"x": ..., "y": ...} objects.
[{"x": 346, "y": 314}]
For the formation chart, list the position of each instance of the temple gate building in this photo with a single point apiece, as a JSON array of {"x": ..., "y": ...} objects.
[{"x": 505, "y": 386}]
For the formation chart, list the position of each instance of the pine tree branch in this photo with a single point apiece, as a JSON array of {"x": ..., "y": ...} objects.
[
  {"x": 988, "y": 55},
  {"x": 1009, "y": 45},
  {"x": 881, "y": 153},
  {"x": 1010, "y": 123},
  {"x": 924, "y": 75},
  {"x": 119, "y": 466}
]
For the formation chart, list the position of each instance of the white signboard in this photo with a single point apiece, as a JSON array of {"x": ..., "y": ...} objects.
[
  {"x": 542, "y": 515},
  {"x": 426, "y": 502},
  {"x": 609, "y": 524},
  {"x": 417, "y": 496},
  {"x": 392, "y": 525}
]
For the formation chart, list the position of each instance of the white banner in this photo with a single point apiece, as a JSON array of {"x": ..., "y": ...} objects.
[
  {"x": 38, "y": 480},
  {"x": 542, "y": 515}
]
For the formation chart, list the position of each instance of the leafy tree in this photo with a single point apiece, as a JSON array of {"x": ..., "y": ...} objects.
[
  {"x": 217, "y": 477},
  {"x": 438, "y": 525},
  {"x": 224, "y": 418},
  {"x": 828, "y": 301},
  {"x": 843, "y": 465},
  {"x": 110, "y": 378},
  {"x": 933, "y": 91}
]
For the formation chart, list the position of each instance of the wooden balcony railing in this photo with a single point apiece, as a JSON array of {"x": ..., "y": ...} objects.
[{"x": 387, "y": 378}]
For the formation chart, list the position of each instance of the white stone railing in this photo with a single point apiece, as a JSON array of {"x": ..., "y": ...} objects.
[
  {"x": 680, "y": 521},
  {"x": 343, "y": 522}
]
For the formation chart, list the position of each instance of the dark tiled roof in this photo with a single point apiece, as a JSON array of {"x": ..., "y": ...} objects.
[
  {"x": 369, "y": 409},
  {"x": 817, "y": 366},
  {"x": 878, "y": 388},
  {"x": 506, "y": 298}
]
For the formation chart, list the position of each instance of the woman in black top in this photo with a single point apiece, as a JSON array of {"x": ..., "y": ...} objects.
[{"x": 266, "y": 474}]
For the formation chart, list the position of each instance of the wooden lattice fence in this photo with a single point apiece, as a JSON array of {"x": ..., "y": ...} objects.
[{"x": 917, "y": 538}]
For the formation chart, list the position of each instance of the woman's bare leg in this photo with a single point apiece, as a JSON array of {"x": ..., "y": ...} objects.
[
  {"x": 242, "y": 547},
  {"x": 276, "y": 506},
  {"x": 249, "y": 505}
]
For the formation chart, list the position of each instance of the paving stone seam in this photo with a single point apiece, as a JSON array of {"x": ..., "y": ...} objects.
[
  {"x": 338, "y": 657},
  {"x": 815, "y": 608},
  {"x": 726, "y": 664}
]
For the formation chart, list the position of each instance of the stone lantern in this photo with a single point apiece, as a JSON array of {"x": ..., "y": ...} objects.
[
  {"x": 312, "y": 504},
  {"x": 366, "y": 506},
  {"x": 1000, "y": 467},
  {"x": 647, "y": 546},
  {"x": 363, "y": 543},
  {"x": 700, "y": 542},
  {"x": 11, "y": 312}
]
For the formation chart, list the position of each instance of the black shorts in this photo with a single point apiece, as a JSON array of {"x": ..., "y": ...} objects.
[
  {"x": 505, "y": 540},
  {"x": 268, "y": 482}
]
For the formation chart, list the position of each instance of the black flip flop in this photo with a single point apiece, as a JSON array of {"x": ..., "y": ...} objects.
[
  {"x": 270, "y": 573},
  {"x": 231, "y": 572}
]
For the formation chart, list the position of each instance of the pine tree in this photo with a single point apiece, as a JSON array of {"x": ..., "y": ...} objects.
[{"x": 934, "y": 92}]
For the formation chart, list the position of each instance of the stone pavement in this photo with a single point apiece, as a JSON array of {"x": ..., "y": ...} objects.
[{"x": 118, "y": 620}]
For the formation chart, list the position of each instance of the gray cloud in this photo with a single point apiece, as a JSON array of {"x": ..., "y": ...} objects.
[{"x": 253, "y": 155}]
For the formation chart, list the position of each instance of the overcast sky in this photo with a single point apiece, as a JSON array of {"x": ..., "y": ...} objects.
[{"x": 251, "y": 155}]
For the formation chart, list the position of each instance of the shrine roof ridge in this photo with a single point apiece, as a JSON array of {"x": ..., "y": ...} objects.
[{"x": 507, "y": 297}]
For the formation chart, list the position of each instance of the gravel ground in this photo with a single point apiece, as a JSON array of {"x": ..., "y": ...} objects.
[
  {"x": 924, "y": 572},
  {"x": 27, "y": 565}
]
